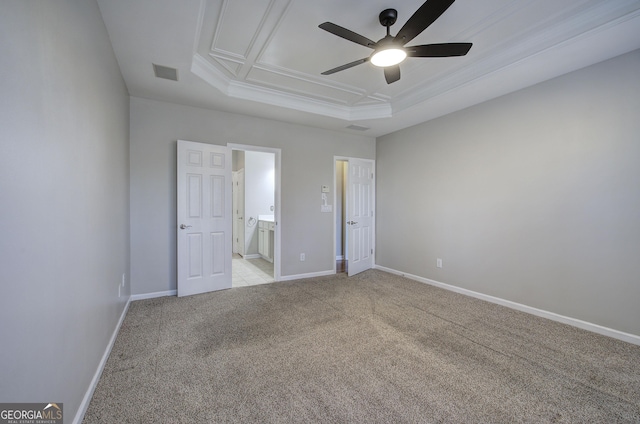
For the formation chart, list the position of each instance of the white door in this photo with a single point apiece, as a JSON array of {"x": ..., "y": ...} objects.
[
  {"x": 241, "y": 225},
  {"x": 234, "y": 211},
  {"x": 238, "y": 212},
  {"x": 360, "y": 204},
  {"x": 204, "y": 218}
]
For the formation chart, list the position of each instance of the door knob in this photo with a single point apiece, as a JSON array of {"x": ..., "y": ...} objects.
[
  {"x": 183, "y": 227},
  {"x": 351, "y": 222}
]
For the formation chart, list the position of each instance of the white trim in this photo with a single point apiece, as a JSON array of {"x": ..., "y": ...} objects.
[
  {"x": 595, "y": 328},
  {"x": 252, "y": 256},
  {"x": 250, "y": 90},
  {"x": 339, "y": 257},
  {"x": 308, "y": 275},
  {"x": 153, "y": 295},
  {"x": 86, "y": 400}
]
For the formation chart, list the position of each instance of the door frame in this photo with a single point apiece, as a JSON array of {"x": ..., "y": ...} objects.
[
  {"x": 277, "y": 197},
  {"x": 346, "y": 190}
]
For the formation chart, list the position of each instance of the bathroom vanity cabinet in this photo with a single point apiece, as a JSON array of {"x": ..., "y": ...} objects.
[{"x": 265, "y": 239}]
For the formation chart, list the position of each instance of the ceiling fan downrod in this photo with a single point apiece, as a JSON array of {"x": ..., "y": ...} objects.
[{"x": 387, "y": 18}]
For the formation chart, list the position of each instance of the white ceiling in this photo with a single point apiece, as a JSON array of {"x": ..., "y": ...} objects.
[{"x": 265, "y": 57}]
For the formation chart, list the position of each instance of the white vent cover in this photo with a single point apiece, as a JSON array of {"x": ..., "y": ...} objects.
[
  {"x": 357, "y": 128},
  {"x": 165, "y": 72}
]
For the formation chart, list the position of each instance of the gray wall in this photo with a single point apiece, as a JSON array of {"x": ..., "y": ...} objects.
[
  {"x": 307, "y": 164},
  {"x": 64, "y": 208},
  {"x": 533, "y": 197}
]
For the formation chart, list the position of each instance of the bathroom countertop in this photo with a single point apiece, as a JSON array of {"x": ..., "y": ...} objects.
[{"x": 267, "y": 218}]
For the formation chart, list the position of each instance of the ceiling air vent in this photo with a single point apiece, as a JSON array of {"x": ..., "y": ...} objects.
[
  {"x": 165, "y": 72},
  {"x": 357, "y": 128}
]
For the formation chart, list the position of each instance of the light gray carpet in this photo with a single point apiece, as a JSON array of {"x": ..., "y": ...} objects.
[{"x": 370, "y": 348}]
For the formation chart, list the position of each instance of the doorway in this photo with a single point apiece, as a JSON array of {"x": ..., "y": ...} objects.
[
  {"x": 354, "y": 224},
  {"x": 256, "y": 201}
]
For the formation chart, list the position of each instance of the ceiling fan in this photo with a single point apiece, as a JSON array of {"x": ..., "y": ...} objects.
[{"x": 389, "y": 51}]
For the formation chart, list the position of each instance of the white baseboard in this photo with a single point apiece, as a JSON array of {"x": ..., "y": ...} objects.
[
  {"x": 96, "y": 377},
  {"x": 340, "y": 258},
  {"x": 309, "y": 275},
  {"x": 153, "y": 295},
  {"x": 610, "y": 332},
  {"x": 252, "y": 256}
]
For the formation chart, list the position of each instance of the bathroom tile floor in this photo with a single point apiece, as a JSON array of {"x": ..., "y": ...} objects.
[{"x": 250, "y": 272}]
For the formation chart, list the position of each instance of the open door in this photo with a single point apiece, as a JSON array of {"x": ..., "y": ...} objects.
[
  {"x": 204, "y": 217},
  {"x": 238, "y": 212},
  {"x": 360, "y": 205}
]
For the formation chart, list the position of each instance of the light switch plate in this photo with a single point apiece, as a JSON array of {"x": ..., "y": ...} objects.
[{"x": 325, "y": 189}]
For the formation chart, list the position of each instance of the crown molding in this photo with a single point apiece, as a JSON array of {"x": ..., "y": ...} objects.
[
  {"x": 204, "y": 69},
  {"x": 590, "y": 22},
  {"x": 231, "y": 73}
]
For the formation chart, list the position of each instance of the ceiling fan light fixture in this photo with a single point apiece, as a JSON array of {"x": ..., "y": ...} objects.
[
  {"x": 388, "y": 52},
  {"x": 388, "y": 57}
]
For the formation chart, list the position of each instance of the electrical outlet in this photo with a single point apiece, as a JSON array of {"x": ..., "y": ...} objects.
[
  {"x": 439, "y": 263},
  {"x": 302, "y": 257}
]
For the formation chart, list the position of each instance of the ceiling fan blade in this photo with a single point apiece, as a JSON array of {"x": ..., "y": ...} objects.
[
  {"x": 422, "y": 18},
  {"x": 438, "y": 50},
  {"x": 392, "y": 73},
  {"x": 347, "y": 66},
  {"x": 347, "y": 34}
]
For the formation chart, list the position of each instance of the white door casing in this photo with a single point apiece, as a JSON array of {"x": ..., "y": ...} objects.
[
  {"x": 360, "y": 206},
  {"x": 204, "y": 218}
]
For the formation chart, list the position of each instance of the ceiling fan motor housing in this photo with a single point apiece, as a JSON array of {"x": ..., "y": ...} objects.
[{"x": 388, "y": 17}]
